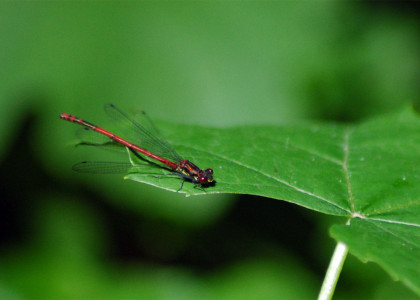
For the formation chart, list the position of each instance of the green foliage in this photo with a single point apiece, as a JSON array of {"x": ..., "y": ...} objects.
[
  {"x": 217, "y": 64},
  {"x": 393, "y": 244},
  {"x": 368, "y": 173}
]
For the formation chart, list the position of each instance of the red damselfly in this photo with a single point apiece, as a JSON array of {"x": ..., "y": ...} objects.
[{"x": 144, "y": 144}]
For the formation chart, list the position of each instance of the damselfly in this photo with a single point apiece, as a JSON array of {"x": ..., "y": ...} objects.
[{"x": 144, "y": 144}]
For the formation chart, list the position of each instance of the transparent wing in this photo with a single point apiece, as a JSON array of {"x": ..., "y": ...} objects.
[
  {"x": 99, "y": 167},
  {"x": 142, "y": 132}
]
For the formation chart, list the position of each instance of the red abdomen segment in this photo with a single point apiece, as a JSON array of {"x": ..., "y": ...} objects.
[{"x": 74, "y": 119}]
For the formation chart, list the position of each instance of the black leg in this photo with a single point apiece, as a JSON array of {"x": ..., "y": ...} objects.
[
  {"x": 198, "y": 186},
  {"x": 181, "y": 184}
]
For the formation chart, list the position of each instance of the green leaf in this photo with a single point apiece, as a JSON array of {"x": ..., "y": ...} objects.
[
  {"x": 300, "y": 164},
  {"x": 394, "y": 246},
  {"x": 368, "y": 172}
]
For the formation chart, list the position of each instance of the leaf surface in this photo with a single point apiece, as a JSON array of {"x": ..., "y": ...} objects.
[
  {"x": 368, "y": 172},
  {"x": 394, "y": 246}
]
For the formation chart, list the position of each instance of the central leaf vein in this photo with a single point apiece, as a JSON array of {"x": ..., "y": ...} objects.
[
  {"x": 286, "y": 183},
  {"x": 346, "y": 170}
]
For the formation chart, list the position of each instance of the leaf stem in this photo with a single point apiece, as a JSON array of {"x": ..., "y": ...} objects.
[{"x": 333, "y": 272}]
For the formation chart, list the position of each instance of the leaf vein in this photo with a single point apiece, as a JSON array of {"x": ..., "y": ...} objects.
[
  {"x": 391, "y": 209},
  {"x": 346, "y": 169},
  {"x": 394, "y": 222},
  {"x": 285, "y": 183},
  {"x": 326, "y": 157},
  {"x": 395, "y": 235}
]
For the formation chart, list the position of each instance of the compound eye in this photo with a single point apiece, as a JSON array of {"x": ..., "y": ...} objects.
[
  {"x": 210, "y": 171},
  {"x": 202, "y": 179}
]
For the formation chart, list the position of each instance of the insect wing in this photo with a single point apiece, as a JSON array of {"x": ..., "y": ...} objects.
[
  {"x": 99, "y": 167},
  {"x": 142, "y": 132}
]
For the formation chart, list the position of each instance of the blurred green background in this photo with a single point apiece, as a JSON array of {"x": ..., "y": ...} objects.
[{"x": 66, "y": 235}]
